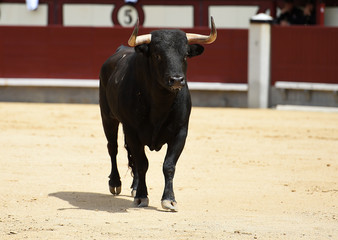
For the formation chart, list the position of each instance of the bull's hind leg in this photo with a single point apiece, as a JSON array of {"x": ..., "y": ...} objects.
[{"x": 111, "y": 130}]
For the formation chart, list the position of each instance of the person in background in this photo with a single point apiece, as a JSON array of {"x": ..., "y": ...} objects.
[
  {"x": 290, "y": 14},
  {"x": 309, "y": 13},
  {"x": 32, "y": 5}
]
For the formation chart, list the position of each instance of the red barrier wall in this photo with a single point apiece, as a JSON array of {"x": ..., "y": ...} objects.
[
  {"x": 298, "y": 53},
  {"x": 78, "y": 53},
  {"x": 304, "y": 54}
]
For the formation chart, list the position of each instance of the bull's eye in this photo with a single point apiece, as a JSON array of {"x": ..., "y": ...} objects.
[{"x": 158, "y": 57}]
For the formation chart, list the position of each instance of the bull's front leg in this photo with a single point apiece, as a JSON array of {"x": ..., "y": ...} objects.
[{"x": 174, "y": 151}]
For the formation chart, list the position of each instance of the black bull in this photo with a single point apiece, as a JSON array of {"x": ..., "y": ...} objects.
[{"x": 145, "y": 89}]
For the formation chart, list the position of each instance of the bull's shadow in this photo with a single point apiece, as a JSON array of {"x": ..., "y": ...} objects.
[{"x": 95, "y": 201}]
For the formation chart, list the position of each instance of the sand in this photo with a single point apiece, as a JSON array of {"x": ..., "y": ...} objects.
[{"x": 244, "y": 174}]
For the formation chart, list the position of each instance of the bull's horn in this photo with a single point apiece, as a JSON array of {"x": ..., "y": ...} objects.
[
  {"x": 203, "y": 39},
  {"x": 135, "y": 40}
]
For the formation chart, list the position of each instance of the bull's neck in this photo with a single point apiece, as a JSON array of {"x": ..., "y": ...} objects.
[
  {"x": 160, "y": 108},
  {"x": 160, "y": 100}
]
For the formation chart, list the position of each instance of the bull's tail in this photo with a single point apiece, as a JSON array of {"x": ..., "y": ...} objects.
[{"x": 131, "y": 163}]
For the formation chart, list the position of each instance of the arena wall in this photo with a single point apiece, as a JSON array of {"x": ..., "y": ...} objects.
[{"x": 70, "y": 39}]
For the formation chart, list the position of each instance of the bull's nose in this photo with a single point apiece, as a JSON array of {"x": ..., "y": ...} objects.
[{"x": 176, "y": 81}]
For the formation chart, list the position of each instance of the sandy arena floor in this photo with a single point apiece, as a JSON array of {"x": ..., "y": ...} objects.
[{"x": 244, "y": 174}]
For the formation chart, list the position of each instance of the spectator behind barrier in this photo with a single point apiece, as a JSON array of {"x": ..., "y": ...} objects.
[
  {"x": 309, "y": 13},
  {"x": 290, "y": 14}
]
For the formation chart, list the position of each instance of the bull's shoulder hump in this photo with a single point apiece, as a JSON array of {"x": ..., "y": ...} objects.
[
  {"x": 124, "y": 50},
  {"x": 111, "y": 63},
  {"x": 120, "y": 53}
]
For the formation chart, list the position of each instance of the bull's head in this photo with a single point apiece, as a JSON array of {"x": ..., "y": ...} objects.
[{"x": 168, "y": 50}]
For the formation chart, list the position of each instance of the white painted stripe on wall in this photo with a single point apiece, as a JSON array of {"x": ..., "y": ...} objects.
[
  {"x": 168, "y": 16},
  {"x": 93, "y": 83},
  {"x": 13, "y": 14},
  {"x": 306, "y": 108},
  {"x": 212, "y": 86},
  {"x": 88, "y": 15},
  {"x": 218, "y": 86},
  {"x": 49, "y": 82},
  {"x": 307, "y": 86},
  {"x": 331, "y": 16},
  {"x": 232, "y": 16}
]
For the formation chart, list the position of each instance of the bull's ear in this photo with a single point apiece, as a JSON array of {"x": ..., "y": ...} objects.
[
  {"x": 143, "y": 48},
  {"x": 195, "y": 50}
]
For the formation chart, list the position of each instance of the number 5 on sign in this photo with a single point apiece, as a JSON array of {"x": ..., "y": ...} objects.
[{"x": 127, "y": 16}]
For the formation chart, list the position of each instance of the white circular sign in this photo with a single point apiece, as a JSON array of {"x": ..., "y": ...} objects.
[{"x": 127, "y": 16}]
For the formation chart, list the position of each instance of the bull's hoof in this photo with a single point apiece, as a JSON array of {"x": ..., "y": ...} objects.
[
  {"x": 133, "y": 193},
  {"x": 115, "y": 190},
  {"x": 169, "y": 205},
  {"x": 141, "y": 202}
]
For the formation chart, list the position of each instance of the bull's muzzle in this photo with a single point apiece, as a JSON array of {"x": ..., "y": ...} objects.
[{"x": 176, "y": 82}]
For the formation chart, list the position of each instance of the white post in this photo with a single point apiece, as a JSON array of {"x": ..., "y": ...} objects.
[{"x": 259, "y": 61}]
